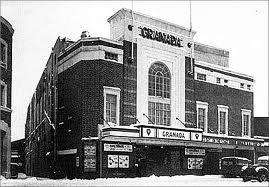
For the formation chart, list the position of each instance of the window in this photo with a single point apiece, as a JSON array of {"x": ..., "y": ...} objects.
[
  {"x": 159, "y": 81},
  {"x": 242, "y": 85},
  {"x": 3, "y": 52},
  {"x": 111, "y": 104},
  {"x": 218, "y": 80},
  {"x": 222, "y": 119},
  {"x": 201, "y": 76},
  {"x": 201, "y": 118},
  {"x": 159, "y": 113},
  {"x": 225, "y": 81},
  {"x": 246, "y": 115},
  {"x": 202, "y": 108},
  {"x": 249, "y": 87},
  {"x": 222, "y": 122},
  {"x": 3, "y": 94},
  {"x": 111, "y": 56}
]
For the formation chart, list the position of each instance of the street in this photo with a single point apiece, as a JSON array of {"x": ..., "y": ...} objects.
[{"x": 187, "y": 180}]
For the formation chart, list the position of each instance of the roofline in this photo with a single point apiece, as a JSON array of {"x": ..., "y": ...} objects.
[
  {"x": 145, "y": 15},
  {"x": 3, "y": 20},
  {"x": 91, "y": 39},
  {"x": 224, "y": 69},
  {"x": 212, "y": 47}
]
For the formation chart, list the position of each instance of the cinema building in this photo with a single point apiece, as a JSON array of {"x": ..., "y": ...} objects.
[{"x": 136, "y": 104}]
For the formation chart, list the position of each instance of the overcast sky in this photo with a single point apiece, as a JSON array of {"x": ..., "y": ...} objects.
[{"x": 240, "y": 27}]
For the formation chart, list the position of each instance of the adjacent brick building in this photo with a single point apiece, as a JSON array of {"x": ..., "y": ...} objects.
[
  {"x": 6, "y": 34},
  {"x": 149, "y": 100},
  {"x": 18, "y": 156},
  {"x": 261, "y": 130},
  {"x": 39, "y": 133}
]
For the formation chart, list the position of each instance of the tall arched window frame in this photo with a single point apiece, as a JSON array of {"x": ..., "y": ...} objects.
[{"x": 159, "y": 93}]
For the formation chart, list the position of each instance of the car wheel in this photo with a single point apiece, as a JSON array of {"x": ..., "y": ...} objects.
[{"x": 262, "y": 177}]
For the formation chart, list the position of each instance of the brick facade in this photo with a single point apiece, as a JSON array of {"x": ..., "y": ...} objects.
[
  {"x": 38, "y": 132},
  {"x": 6, "y": 34},
  {"x": 222, "y": 95}
]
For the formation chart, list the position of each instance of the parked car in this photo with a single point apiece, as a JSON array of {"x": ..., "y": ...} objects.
[
  {"x": 259, "y": 171},
  {"x": 232, "y": 166}
]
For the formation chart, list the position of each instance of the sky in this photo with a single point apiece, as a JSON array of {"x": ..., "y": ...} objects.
[{"x": 238, "y": 26}]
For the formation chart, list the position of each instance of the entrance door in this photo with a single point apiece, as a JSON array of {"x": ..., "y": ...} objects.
[
  {"x": 211, "y": 164},
  {"x": 68, "y": 165},
  {"x": 152, "y": 160},
  {"x": 176, "y": 163}
]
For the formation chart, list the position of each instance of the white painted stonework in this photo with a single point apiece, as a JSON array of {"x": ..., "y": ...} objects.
[
  {"x": 151, "y": 51},
  {"x": 89, "y": 53},
  {"x": 233, "y": 82}
]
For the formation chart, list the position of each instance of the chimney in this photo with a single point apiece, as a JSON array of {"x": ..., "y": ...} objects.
[{"x": 84, "y": 34}]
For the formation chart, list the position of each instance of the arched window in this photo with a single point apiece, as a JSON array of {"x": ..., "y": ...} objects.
[{"x": 159, "y": 81}]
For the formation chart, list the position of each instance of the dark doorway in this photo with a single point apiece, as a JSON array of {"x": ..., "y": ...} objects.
[
  {"x": 158, "y": 160},
  {"x": 211, "y": 163},
  {"x": 68, "y": 165}
]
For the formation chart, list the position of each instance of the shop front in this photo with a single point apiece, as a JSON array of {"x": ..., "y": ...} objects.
[
  {"x": 146, "y": 150},
  {"x": 218, "y": 147}
]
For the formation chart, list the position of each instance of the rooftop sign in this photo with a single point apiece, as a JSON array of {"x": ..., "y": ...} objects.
[{"x": 160, "y": 37}]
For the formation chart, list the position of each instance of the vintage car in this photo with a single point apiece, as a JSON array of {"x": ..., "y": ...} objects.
[
  {"x": 259, "y": 171},
  {"x": 232, "y": 166}
]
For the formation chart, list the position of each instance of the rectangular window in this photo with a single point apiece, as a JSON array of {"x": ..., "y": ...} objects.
[
  {"x": 201, "y": 118},
  {"x": 248, "y": 86},
  {"x": 246, "y": 115},
  {"x": 242, "y": 85},
  {"x": 201, "y": 76},
  {"x": 111, "y": 56},
  {"x": 159, "y": 113},
  {"x": 3, "y": 94},
  {"x": 222, "y": 122},
  {"x": 111, "y": 102},
  {"x": 222, "y": 119},
  {"x": 151, "y": 109},
  {"x": 218, "y": 80},
  {"x": 202, "y": 108},
  {"x": 226, "y": 81},
  {"x": 3, "y": 52},
  {"x": 245, "y": 124}
]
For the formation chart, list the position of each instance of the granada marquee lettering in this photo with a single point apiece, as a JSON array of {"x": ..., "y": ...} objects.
[
  {"x": 172, "y": 134},
  {"x": 160, "y": 36}
]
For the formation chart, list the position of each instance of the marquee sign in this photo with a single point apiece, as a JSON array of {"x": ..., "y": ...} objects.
[
  {"x": 231, "y": 141},
  {"x": 173, "y": 134},
  {"x": 170, "y": 133},
  {"x": 160, "y": 37},
  {"x": 118, "y": 147},
  {"x": 194, "y": 151},
  {"x": 149, "y": 132}
]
